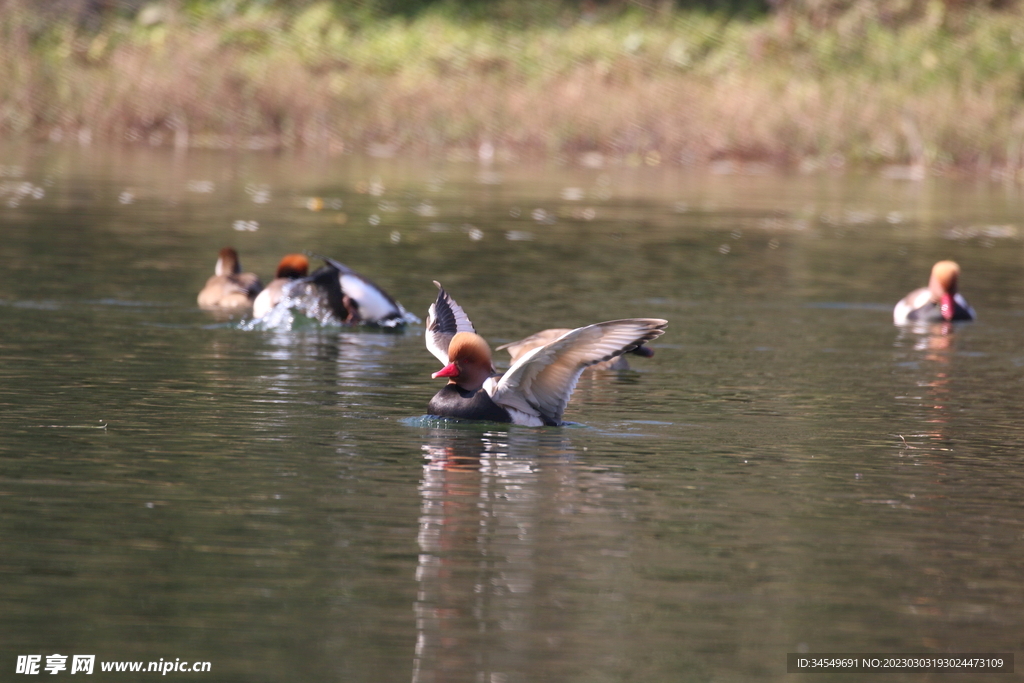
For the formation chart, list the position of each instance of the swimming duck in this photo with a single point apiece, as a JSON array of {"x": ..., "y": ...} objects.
[
  {"x": 229, "y": 287},
  {"x": 938, "y": 302},
  {"x": 536, "y": 389},
  {"x": 336, "y": 293},
  {"x": 291, "y": 267},
  {"x": 518, "y": 348}
]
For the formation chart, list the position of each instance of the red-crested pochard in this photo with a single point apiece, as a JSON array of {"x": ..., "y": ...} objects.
[
  {"x": 291, "y": 267},
  {"x": 536, "y": 389},
  {"x": 229, "y": 287},
  {"x": 518, "y": 348},
  {"x": 939, "y": 302},
  {"x": 337, "y": 292}
]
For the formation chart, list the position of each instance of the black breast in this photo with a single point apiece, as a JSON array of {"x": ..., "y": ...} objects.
[{"x": 453, "y": 401}]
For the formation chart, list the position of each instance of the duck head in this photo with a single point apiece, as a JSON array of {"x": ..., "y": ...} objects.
[
  {"x": 227, "y": 262},
  {"x": 943, "y": 286},
  {"x": 469, "y": 362},
  {"x": 293, "y": 266}
]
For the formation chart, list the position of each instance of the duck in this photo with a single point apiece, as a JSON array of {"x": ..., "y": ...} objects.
[
  {"x": 516, "y": 349},
  {"x": 355, "y": 299},
  {"x": 229, "y": 287},
  {"x": 536, "y": 388},
  {"x": 939, "y": 302},
  {"x": 291, "y": 267},
  {"x": 334, "y": 293}
]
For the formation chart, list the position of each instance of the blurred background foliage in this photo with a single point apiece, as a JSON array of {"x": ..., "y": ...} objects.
[
  {"x": 936, "y": 83},
  {"x": 821, "y": 13}
]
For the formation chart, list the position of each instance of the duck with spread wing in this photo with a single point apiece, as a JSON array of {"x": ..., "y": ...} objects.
[{"x": 536, "y": 389}]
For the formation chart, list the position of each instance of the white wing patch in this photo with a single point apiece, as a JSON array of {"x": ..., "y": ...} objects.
[
  {"x": 445, "y": 318},
  {"x": 910, "y": 303},
  {"x": 373, "y": 304}
]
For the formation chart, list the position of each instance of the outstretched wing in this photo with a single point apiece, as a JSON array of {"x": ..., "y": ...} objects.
[
  {"x": 541, "y": 381},
  {"x": 444, "y": 319},
  {"x": 516, "y": 349}
]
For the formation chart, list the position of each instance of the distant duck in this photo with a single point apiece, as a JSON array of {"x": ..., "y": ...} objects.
[
  {"x": 291, "y": 267},
  {"x": 518, "y": 348},
  {"x": 536, "y": 389},
  {"x": 336, "y": 293},
  {"x": 229, "y": 287},
  {"x": 939, "y": 302}
]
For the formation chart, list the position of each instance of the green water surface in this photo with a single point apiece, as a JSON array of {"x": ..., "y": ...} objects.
[{"x": 789, "y": 473}]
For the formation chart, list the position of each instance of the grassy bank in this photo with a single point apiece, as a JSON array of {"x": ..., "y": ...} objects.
[{"x": 942, "y": 91}]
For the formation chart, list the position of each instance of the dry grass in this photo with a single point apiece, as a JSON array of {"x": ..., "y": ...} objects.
[{"x": 686, "y": 89}]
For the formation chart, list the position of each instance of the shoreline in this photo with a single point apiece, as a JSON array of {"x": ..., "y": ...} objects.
[{"x": 937, "y": 96}]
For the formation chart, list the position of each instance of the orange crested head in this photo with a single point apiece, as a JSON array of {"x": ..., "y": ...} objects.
[
  {"x": 293, "y": 266},
  {"x": 468, "y": 347},
  {"x": 944, "y": 278},
  {"x": 469, "y": 361}
]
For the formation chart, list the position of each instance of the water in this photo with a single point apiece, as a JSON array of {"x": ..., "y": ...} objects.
[{"x": 789, "y": 473}]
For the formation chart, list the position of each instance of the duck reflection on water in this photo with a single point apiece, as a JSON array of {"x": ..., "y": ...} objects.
[
  {"x": 928, "y": 351},
  {"x": 341, "y": 359},
  {"x": 497, "y": 505}
]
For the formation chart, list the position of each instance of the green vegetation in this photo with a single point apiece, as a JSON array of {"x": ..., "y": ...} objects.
[{"x": 815, "y": 83}]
